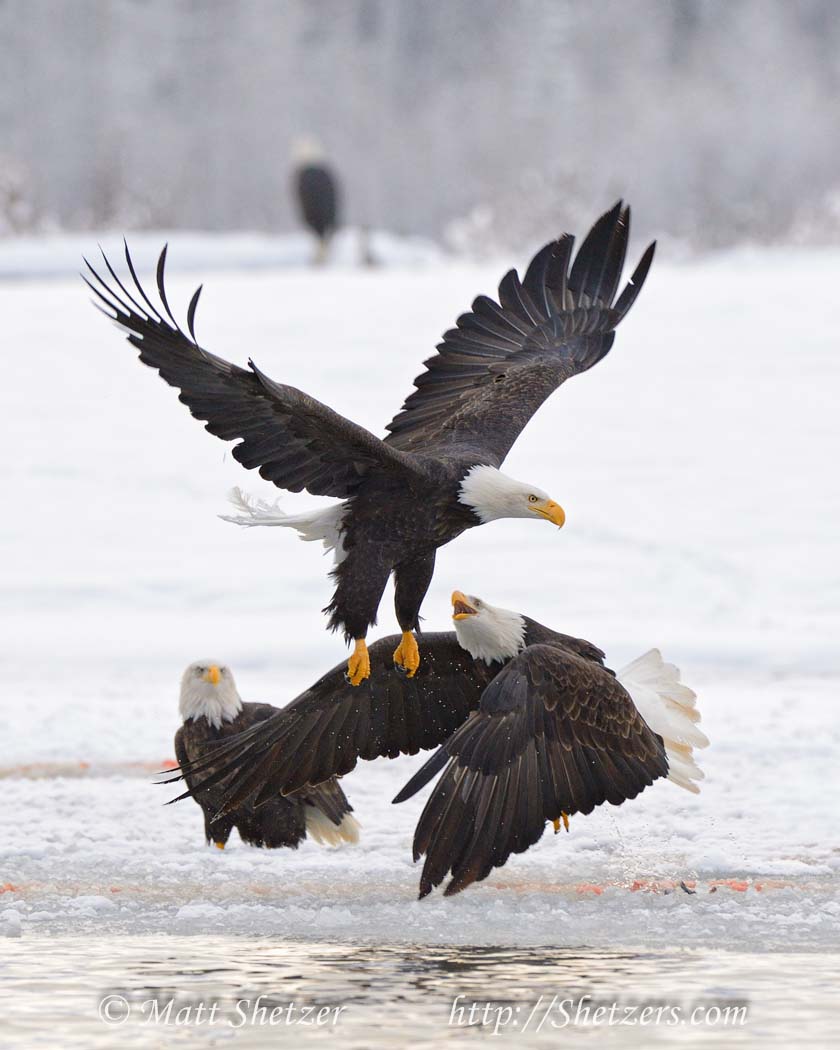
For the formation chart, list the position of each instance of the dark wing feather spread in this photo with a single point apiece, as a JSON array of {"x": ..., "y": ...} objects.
[
  {"x": 294, "y": 440},
  {"x": 555, "y": 733},
  {"x": 328, "y": 797},
  {"x": 328, "y": 728},
  {"x": 280, "y": 822},
  {"x": 494, "y": 370},
  {"x": 201, "y": 741}
]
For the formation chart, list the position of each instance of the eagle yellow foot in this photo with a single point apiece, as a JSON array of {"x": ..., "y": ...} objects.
[
  {"x": 407, "y": 655},
  {"x": 564, "y": 820},
  {"x": 358, "y": 666},
  {"x": 219, "y": 845}
]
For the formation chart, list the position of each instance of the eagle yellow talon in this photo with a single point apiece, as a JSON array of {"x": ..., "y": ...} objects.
[
  {"x": 219, "y": 845},
  {"x": 564, "y": 820},
  {"x": 407, "y": 654},
  {"x": 358, "y": 666}
]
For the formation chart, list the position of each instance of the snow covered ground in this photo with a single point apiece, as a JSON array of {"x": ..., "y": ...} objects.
[{"x": 698, "y": 469}]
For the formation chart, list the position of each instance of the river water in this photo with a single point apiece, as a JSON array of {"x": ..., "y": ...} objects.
[{"x": 149, "y": 991}]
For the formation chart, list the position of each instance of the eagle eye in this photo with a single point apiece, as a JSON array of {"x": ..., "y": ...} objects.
[{"x": 532, "y": 499}]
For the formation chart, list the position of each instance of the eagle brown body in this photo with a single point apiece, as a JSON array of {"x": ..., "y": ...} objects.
[{"x": 317, "y": 196}]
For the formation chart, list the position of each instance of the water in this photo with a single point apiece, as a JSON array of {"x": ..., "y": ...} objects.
[{"x": 51, "y": 989}]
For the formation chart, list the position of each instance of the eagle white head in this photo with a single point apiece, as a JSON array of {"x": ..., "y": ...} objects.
[
  {"x": 492, "y": 494},
  {"x": 306, "y": 149},
  {"x": 208, "y": 690},
  {"x": 487, "y": 633}
]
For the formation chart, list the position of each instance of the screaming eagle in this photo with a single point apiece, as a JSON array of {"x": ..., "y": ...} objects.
[
  {"x": 437, "y": 473},
  {"x": 213, "y": 713},
  {"x": 530, "y": 728}
]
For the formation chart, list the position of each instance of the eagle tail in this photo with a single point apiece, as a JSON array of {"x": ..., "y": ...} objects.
[
  {"x": 670, "y": 709},
  {"x": 320, "y": 828},
  {"x": 324, "y": 525}
]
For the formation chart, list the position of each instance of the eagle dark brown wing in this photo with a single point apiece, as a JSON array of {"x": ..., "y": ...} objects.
[
  {"x": 281, "y": 821},
  {"x": 555, "y": 733},
  {"x": 294, "y": 440},
  {"x": 329, "y": 727},
  {"x": 195, "y": 741},
  {"x": 328, "y": 797},
  {"x": 493, "y": 371}
]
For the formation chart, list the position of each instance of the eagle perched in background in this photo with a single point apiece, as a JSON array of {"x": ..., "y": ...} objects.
[
  {"x": 531, "y": 728},
  {"x": 437, "y": 472},
  {"x": 213, "y": 712},
  {"x": 316, "y": 193}
]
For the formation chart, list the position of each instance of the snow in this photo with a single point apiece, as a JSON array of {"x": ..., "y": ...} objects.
[
  {"x": 696, "y": 467},
  {"x": 10, "y": 923},
  {"x": 60, "y": 255}
]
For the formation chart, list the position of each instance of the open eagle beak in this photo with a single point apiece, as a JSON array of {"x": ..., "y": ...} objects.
[
  {"x": 461, "y": 607},
  {"x": 552, "y": 512},
  {"x": 212, "y": 675}
]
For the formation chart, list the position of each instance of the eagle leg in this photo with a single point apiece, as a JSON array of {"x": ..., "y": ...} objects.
[
  {"x": 564, "y": 820},
  {"x": 219, "y": 845},
  {"x": 407, "y": 654},
  {"x": 358, "y": 666}
]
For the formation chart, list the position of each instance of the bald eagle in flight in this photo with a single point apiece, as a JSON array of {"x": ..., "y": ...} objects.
[
  {"x": 213, "y": 712},
  {"x": 530, "y": 728},
  {"x": 437, "y": 472}
]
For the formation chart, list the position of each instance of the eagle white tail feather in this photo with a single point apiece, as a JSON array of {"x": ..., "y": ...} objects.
[
  {"x": 324, "y": 525},
  {"x": 670, "y": 709},
  {"x": 320, "y": 828}
]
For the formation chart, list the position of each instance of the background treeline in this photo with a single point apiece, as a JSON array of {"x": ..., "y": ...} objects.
[{"x": 486, "y": 121}]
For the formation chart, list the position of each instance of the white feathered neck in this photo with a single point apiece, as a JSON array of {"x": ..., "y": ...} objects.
[
  {"x": 491, "y": 634},
  {"x": 201, "y": 699},
  {"x": 492, "y": 495}
]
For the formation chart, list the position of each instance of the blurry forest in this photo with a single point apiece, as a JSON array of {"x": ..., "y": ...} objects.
[{"x": 485, "y": 121}]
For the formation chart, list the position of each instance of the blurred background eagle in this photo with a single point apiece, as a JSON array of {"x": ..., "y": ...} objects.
[{"x": 317, "y": 194}]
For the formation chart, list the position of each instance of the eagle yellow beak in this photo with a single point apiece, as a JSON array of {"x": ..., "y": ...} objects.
[
  {"x": 461, "y": 607},
  {"x": 212, "y": 675},
  {"x": 552, "y": 512}
]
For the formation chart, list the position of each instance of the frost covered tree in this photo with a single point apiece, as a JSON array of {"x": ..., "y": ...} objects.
[{"x": 509, "y": 118}]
